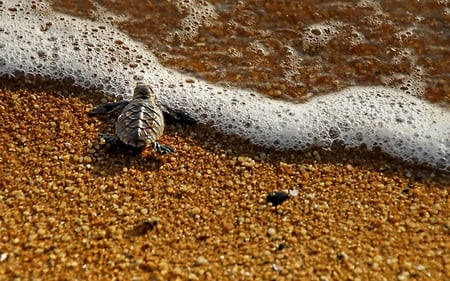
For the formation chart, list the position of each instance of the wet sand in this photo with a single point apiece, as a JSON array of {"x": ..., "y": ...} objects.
[{"x": 72, "y": 209}]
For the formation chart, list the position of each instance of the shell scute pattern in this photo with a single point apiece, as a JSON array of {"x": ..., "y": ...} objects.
[{"x": 140, "y": 123}]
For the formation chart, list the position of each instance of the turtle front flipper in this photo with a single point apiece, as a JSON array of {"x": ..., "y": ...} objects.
[
  {"x": 162, "y": 149},
  {"x": 110, "y": 107}
]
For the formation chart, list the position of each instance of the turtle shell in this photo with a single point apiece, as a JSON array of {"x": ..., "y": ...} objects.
[{"x": 141, "y": 122}]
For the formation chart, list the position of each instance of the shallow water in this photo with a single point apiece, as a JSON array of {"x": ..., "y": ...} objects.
[
  {"x": 289, "y": 50},
  {"x": 293, "y": 48}
]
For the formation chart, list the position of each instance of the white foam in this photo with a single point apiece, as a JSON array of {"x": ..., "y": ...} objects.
[
  {"x": 400, "y": 124},
  {"x": 319, "y": 34},
  {"x": 199, "y": 13}
]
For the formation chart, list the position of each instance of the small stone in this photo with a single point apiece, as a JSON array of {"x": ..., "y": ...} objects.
[
  {"x": 246, "y": 161},
  {"x": 229, "y": 183},
  {"x": 201, "y": 260},
  {"x": 375, "y": 266},
  {"x": 170, "y": 190},
  {"x": 403, "y": 276},
  {"x": 342, "y": 256},
  {"x": 3, "y": 257},
  {"x": 192, "y": 276},
  {"x": 18, "y": 194},
  {"x": 378, "y": 259},
  {"x": 271, "y": 231},
  {"x": 195, "y": 210},
  {"x": 310, "y": 196},
  {"x": 276, "y": 267},
  {"x": 277, "y": 197},
  {"x": 72, "y": 264},
  {"x": 87, "y": 159},
  {"x": 144, "y": 211},
  {"x": 293, "y": 193},
  {"x": 65, "y": 238},
  {"x": 407, "y": 265}
]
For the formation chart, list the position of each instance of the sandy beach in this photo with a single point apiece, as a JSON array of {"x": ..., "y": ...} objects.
[{"x": 72, "y": 209}]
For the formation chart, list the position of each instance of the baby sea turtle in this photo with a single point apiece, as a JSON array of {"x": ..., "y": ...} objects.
[{"x": 140, "y": 123}]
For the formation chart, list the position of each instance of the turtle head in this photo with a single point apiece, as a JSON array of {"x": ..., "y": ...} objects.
[{"x": 143, "y": 91}]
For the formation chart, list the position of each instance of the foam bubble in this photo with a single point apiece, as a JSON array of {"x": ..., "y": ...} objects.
[
  {"x": 356, "y": 37},
  {"x": 319, "y": 34},
  {"x": 199, "y": 13},
  {"x": 411, "y": 84},
  {"x": 292, "y": 65},
  {"x": 406, "y": 34},
  {"x": 259, "y": 48},
  {"x": 61, "y": 46}
]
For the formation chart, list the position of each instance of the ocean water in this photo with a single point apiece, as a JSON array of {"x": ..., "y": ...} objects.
[{"x": 283, "y": 74}]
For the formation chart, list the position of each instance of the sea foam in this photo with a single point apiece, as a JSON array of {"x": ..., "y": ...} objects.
[{"x": 41, "y": 42}]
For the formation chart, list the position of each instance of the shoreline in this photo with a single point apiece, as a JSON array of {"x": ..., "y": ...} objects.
[{"x": 75, "y": 209}]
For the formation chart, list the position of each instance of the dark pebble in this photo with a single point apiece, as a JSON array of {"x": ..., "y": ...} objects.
[
  {"x": 281, "y": 247},
  {"x": 277, "y": 197}
]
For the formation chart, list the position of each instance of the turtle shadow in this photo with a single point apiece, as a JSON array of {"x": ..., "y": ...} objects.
[{"x": 114, "y": 162}]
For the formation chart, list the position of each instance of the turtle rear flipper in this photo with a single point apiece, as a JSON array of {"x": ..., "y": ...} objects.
[
  {"x": 110, "y": 107},
  {"x": 114, "y": 141},
  {"x": 162, "y": 149}
]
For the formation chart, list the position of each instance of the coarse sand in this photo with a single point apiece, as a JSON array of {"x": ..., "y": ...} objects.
[{"x": 73, "y": 209}]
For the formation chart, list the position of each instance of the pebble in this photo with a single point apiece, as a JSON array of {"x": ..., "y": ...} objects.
[
  {"x": 277, "y": 197},
  {"x": 201, "y": 260},
  {"x": 18, "y": 194},
  {"x": 246, "y": 161},
  {"x": 3, "y": 257},
  {"x": 276, "y": 267},
  {"x": 195, "y": 211},
  {"x": 85, "y": 159},
  {"x": 404, "y": 275},
  {"x": 271, "y": 231},
  {"x": 229, "y": 183},
  {"x": 293, "y": 193}
]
